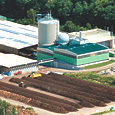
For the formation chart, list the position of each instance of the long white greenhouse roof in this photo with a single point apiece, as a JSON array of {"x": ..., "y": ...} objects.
[
  {"x": 17, "y": 35},
  {"x": 10, "y": 60}
]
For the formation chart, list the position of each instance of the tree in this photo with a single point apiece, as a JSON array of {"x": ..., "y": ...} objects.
[
  {"x": 78, "y": 28},
  {"x": 69, "y": 26},
  {"x": 14, "y": 110},
  {"x": 62, "y": 10},
  {"x": 2, "y": 7},
  {"x": 3, "y": 107},
  {"x": 88, "y": 26},
  {"x": 104, "y": 12},
  {"x": 77, "y": 12},
  {"x": 31, "y": 16}
]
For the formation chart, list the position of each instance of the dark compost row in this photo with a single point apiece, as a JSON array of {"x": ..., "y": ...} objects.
[
  {"x": 69, "y": 88},
  {"x": 38, "y": 101},
  {"x": 56, "y": 80},
  {"x": 85, "y": 93},
  {"x": 53, "y": 88}
]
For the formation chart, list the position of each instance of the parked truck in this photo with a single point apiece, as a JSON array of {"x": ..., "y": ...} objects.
[
  {"x": 18, "y": 73},
  {"x": 35, "y": 75}
]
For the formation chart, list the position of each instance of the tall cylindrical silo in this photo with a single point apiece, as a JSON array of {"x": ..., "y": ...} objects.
[{"x": 48, "y": 31}]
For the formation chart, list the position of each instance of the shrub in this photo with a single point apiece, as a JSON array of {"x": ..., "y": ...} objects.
[{"x": 30, "y": 108}]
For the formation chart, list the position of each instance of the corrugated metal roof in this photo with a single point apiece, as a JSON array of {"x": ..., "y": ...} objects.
[
  {"x": 87, "y": 48},
  {"x": 78, "y": 49},
  {"x": 16, "y": 40},
  {"x": 10, "y": 60},
  {"x": 17, "y": 35}
]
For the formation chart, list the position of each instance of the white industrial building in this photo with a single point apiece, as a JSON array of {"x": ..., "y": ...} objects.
[
  {"x": 14, "y": 37},
  {"x": 100, "y": 36},
  {"x": 13, "y": 63}
]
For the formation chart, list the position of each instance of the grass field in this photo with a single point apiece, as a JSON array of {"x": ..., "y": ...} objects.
[
  {"x": 94, "y": 77},
  {"x": 99, "y": 64}
]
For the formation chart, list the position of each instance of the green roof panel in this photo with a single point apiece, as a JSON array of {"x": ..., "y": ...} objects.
[
  {"x": 78, "y": 49},
  {"x": 87, "y": 48}
]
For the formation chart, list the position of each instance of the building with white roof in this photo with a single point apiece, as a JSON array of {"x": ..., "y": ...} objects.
[
  {"x": 100, "y": 36},
  {"x": 13, "y": 63},
  {"x": 14, "y": 37}
]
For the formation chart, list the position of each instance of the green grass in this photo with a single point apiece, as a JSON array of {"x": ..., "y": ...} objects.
[
  {"x": 94, "y": 77},
  {"x": 101, "y": 113},
  {"x": 99, "y": 64}
]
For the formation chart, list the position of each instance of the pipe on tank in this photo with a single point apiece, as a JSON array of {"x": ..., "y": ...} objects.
[{"x": 80, "y": 36}]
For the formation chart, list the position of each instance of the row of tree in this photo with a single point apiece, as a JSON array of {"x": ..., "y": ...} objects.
[
  {"x": 69, "y": 26},
  {"x": 99, "y": 13}
]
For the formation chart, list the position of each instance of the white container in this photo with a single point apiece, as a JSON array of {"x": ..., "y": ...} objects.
[{"x": 48, "y": 31}]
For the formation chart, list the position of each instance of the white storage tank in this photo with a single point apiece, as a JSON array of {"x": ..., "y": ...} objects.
[
  {"x": 48, "y": 31},
  {"x": 63, "y": 38}
]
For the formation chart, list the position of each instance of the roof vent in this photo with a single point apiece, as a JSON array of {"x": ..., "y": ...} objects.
[{"x": 71, "y": 48}]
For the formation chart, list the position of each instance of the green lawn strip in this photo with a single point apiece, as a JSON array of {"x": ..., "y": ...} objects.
[
  {"x": 94, "y": 77},
  {"x": 101, "y": 113},
  {"x": 99, "y": 64}
]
